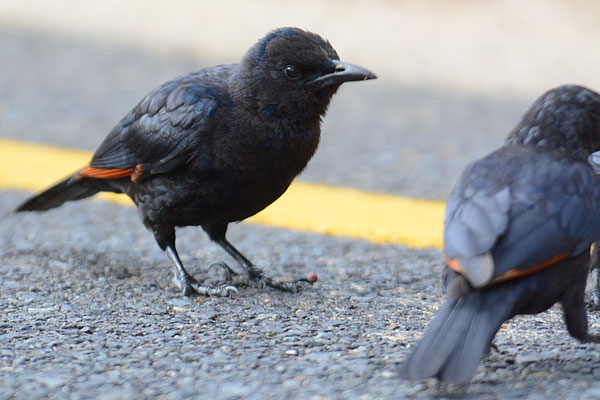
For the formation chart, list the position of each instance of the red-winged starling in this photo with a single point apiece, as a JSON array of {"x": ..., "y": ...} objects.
[
  {"x": 518, "y": 228},
  {"x": 216, "y": 146}
]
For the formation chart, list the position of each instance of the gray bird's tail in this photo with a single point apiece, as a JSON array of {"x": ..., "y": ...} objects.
[
  {"x": 458, "y": 337},
  {"x": 69, "y": 188}
]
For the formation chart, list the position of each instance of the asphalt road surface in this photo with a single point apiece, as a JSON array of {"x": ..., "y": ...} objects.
[{"x": 88, "y": 309}]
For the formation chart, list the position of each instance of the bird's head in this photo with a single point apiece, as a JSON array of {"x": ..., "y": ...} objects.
[
  {"x": 294, "y": 71},
  {"x": 565, "y": 118}
]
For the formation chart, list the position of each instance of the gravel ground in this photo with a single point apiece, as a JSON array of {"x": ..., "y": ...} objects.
[{"x": 92, "y": 313}]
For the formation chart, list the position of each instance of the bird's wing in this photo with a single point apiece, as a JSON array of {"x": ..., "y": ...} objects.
[
  {"x": 161, "y": 133},
  {"x": 498, "y": 230},
  {"x": 475, "y": 218}
]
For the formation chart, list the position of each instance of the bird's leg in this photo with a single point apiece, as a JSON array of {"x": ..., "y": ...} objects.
[
  {"x": 594, "y": 301},
  {"x": 253, "y": 276},
  {"x": 189, "y": 285},
  {"x": 252, "y": 271}
]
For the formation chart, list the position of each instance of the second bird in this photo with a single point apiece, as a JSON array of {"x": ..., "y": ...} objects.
[
  {"x": 518, "y": 229},
  {"x": 216, "y": 146}
]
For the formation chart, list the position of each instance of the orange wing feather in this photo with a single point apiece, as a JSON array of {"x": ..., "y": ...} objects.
[{"x": 454, "y": 263}]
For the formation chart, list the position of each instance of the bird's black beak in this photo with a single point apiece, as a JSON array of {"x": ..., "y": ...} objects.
[{"x": 344, "y": 72}]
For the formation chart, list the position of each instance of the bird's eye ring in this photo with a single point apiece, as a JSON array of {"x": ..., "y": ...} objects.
[{"x": 291, "y": 71}]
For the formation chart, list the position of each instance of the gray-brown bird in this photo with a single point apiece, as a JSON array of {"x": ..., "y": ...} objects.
[{"x": 518, "y": 229}]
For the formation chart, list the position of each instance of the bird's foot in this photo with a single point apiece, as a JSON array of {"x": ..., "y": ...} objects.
[
  {"x": 190, "y": 287},
  {"x": 592, "y": 339},
  {"x": 292, "y": 287},
  {"x": 594, "y": 302},
  {"x": 255, "y": 279}
]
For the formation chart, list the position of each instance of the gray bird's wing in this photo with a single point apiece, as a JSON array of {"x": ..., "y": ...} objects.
[{"x": 515, "y": 212}]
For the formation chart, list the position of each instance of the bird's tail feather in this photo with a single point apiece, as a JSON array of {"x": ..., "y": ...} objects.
[
  {"x": 457, "y": 338},
  {"x": 69, "y": 188}
]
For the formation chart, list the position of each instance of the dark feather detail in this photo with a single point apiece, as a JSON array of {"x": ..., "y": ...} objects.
[
  {"x": 69, "y": 188},
  {"x": 164, "y": 130},
  {"x": 523, "y": 207},
  {"x": 457, "y": 338}
]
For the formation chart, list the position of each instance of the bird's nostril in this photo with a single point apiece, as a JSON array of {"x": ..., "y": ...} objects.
[{"x": 339, "y": 68}]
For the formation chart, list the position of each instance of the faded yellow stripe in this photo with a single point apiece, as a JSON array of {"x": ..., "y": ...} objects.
[{"x": 378, "y": 218}]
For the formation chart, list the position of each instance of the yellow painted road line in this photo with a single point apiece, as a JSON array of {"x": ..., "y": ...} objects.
[{"x": 378, "y": 218}]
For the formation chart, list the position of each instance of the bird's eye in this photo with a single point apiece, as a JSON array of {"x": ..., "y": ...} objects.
[{"x": 291, "y": 71}]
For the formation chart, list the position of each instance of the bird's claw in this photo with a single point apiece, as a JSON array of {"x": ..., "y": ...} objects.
[
  {"x": 292, "y": 287},
  {"x": 221, "y": 290},
  {"x": 229, "y": 275},
  {"x": 256, "y": 280},
  {"x": 190, "y": 287},
  {"x": 246, "y": 280},
  {"x": 594, "y": 303}
]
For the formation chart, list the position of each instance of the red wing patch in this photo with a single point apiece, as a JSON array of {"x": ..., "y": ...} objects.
[
  {"x": 138, "y": 172},
  {"x": 517, "y": 273},
  {"x": 105, "y": 173},
  {"x": 454, "y": 264}
]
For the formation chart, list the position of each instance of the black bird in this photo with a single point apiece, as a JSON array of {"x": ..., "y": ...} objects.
[
  {"x": 518, "y": 229},
  {"x": 216, "y": 146}
]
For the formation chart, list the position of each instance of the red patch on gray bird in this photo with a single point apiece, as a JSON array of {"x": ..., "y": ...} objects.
[{"x": 312, "y": 277}]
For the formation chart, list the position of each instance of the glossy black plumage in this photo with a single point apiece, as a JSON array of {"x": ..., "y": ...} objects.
[
  {"x": 217, "y": 145},
  {"x": 518, "y": 229}
]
